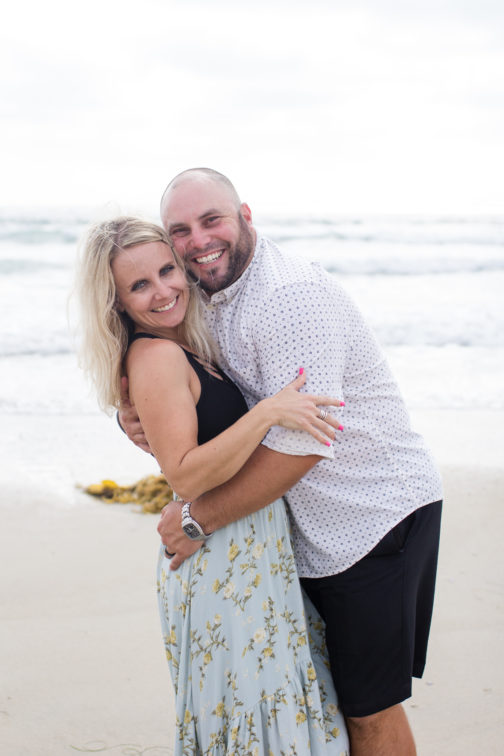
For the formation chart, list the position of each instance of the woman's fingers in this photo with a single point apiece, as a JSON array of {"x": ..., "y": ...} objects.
[
  {"x": 331, "y": 420},
  {"x": 298, "y": 381},
  {"x": 322, "y": 429},
  {"x": 324, "y": 435},
  {"x": 308, "y": 411},
  {"x": 326, "y": 401},
  {"x": 324, "y": 423}
]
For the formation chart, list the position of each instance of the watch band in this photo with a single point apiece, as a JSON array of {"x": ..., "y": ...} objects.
[{"x": 190, "y": 526}]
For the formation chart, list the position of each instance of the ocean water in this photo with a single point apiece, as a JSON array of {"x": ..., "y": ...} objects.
[{"x": 431, "y": 288}]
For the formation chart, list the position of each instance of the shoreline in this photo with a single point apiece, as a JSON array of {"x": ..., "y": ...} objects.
[{"x": 82, "y": 655}]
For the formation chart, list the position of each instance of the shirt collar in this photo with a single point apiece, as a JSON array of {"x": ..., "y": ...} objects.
[{"x": 228, "y": 294}]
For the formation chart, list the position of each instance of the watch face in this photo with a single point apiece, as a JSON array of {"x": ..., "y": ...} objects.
[{"x": 191, "y": 531}]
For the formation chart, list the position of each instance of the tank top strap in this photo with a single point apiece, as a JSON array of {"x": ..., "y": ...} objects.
[{"x": 193, "y": 359}]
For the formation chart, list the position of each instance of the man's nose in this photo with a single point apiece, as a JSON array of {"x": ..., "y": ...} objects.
[{"x": 199, "y": 239}]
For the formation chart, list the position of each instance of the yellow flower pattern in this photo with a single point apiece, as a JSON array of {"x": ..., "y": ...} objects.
[{"x": 245, "y": 648}]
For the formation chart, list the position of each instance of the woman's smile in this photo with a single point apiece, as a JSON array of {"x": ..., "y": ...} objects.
[{"x": 166, "y": 307}]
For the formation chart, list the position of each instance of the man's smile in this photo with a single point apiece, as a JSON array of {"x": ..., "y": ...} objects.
[{"x": 210, "y": 257}]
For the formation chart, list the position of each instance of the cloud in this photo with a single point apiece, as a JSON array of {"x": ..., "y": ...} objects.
[{"x": 356, "y": 107}]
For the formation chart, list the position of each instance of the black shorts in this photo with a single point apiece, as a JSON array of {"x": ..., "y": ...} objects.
[{"x": 378, "y": 614}]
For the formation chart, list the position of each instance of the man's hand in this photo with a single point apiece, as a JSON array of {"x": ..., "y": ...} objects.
[
  {"x": 173, "y": 537},
  {"x": 129, "y": 420}
]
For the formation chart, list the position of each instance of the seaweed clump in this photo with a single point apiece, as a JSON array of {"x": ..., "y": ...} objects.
[{"x": 151, "y": 493}]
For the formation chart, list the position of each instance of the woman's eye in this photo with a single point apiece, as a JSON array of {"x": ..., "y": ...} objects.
[
  {"x": 166, "y": 269},
  {"x": 138, "y": 285}
]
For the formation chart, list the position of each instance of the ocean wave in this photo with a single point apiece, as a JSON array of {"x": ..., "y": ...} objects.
[
  {"x": 449, "y": 376},
  {"x": 432, "y": 283},
  {"x": 412, "y": 335},
  {"x": 67, "y": 227},
  {"x": 24, "y": 266},
  {"x": 34, "y": 227},
  {"x": 412, "y": 332},
  {"x": 40, "y": 232},
  {"x": 402, "y": 230},
  {"x": 34, "y": 350},
  {"x": 412, "y": 267},
  {"x": 393, "y": 237}
]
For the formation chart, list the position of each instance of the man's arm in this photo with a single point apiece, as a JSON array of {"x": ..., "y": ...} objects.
[{"x": 265, "y": 477}]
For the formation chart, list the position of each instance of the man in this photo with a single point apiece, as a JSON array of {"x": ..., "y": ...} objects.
[{"x": 366, "y": 512}]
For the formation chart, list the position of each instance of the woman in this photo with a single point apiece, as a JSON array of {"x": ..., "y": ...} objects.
[{"x": 249, "y": 676}]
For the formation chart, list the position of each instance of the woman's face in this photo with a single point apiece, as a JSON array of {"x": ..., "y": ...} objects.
[{"x": 151, "y": 288}]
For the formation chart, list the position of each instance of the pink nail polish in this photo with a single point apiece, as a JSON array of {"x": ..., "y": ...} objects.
[
  {"x": 342, "y": 404},
  {"x": 327, "y": 443},
  {"x": 301, "y": 371},
  {"x": 340, "y": 427}
]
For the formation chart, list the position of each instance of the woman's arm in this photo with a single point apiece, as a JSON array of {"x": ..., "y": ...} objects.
[{"x": 165, "y": 391}]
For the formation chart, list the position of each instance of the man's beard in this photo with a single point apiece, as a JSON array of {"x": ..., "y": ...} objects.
[{"x": 238, "y": 256}]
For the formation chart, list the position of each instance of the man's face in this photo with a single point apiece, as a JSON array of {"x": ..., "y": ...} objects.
[{"x": 214, "y": 237}]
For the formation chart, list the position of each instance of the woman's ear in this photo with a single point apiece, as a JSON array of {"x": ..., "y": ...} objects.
[{"x": 118, "y": 306}]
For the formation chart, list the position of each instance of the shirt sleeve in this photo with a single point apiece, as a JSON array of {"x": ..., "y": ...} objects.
[{"x": 303, "y": 325}]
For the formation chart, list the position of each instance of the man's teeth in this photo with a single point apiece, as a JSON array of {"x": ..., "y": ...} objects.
[
  {"x": 166, "y": 307},
  {"x": 209, "y": 258}
]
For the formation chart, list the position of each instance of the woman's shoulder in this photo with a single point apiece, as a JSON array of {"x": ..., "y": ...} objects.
[{"x": 155, "y": 352}]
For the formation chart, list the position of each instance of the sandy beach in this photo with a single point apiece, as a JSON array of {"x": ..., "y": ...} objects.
[{"x": 83, "y": 668}]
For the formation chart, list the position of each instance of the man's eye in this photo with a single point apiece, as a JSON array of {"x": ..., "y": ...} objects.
[
  {"x": 179, "y": 232},
  {"x": 213, "y": 218}
]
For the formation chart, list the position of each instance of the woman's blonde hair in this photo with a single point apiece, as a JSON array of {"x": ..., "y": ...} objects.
[{"x": 106, "y": 332}]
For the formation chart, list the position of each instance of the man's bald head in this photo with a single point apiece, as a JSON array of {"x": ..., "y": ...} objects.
[{"x": 200, "y": 175}]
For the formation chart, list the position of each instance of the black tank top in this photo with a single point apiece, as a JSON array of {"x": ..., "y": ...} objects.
[{"x": 221, "y": 402}]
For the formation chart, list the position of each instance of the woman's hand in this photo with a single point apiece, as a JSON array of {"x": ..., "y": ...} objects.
[{"x": 303, "y": 411}]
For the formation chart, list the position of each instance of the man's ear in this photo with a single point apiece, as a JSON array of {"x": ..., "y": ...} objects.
[{"x": 246, "y": 212}]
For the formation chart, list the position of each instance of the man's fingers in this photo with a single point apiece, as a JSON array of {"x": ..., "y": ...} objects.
[
  {"x": 124, "y": 391},
  {"x": 173, "y": 537},
  {"x": 180, "y": 557},
  {"x": 145, "y": 447},
  {"x": 187, "y": 550},
  {"x": 175, "y": 562}
]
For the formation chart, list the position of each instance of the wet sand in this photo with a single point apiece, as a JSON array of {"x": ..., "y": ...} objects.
[{"x": 83, "y": 668}]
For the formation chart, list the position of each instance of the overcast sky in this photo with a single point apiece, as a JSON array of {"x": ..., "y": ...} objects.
[{"x": 317, "y": 107}]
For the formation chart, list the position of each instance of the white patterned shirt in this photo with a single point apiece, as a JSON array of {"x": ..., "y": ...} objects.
[{"x": 284, "y": 313}]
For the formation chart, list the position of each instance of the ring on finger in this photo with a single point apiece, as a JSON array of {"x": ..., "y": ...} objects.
[
  {"x": 168, "y": 554},
  {"x": 323, "y": 413}
]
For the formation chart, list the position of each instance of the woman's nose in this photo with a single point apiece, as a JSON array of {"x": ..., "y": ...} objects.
[{"x": 160, "y": 289}]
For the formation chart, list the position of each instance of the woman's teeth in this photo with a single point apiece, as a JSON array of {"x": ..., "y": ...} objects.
[{"x": 164, "y": 308}]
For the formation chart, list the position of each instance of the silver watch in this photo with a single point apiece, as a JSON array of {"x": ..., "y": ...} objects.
[{"x": 191, "y": 528}]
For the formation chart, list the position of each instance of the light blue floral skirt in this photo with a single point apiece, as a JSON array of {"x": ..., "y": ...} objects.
[{"x": 246, "y": 648}]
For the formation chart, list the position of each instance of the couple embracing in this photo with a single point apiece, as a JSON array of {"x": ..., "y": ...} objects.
[{"x": 210, "y": 322}]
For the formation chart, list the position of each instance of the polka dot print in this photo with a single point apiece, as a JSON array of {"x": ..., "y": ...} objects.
[{"x": 284, "y": 313}]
